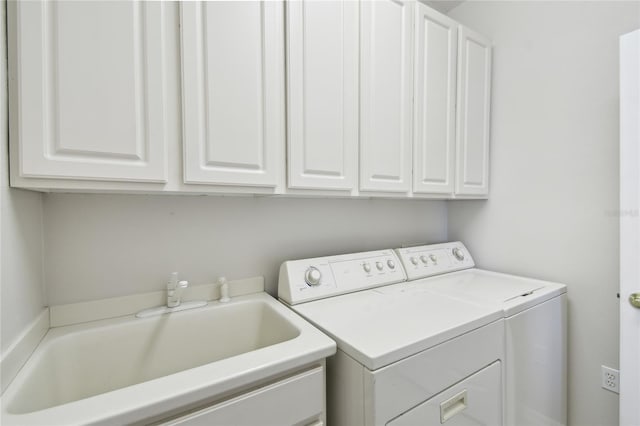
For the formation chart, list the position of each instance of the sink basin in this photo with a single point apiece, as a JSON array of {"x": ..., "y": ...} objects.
[
  {"x": 196, "y": 352},
  {"x": 90, "y": 361}
]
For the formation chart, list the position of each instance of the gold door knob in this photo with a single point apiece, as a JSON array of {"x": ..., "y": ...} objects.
[{"x": 634, "y": 299}]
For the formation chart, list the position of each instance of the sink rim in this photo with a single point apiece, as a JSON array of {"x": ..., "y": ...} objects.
[{"x": 133, "y": 402}]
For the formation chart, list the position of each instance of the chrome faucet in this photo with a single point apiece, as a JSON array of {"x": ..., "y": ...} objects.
[{"x": 174, "y": 290}]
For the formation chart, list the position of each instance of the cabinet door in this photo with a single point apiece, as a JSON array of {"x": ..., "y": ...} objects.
[
  {"x": 386, "y": 95},
  {"x": 474, "y": 96},
  {"x": 233, "y": 92},
  {"x": 434, "y": 102},
  {"x": 322, "y": 53},
  {"x": 294, "y": 401},
  {"x": 88, "y": 85}
]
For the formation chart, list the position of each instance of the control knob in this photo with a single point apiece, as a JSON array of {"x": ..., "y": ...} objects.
[
  {"x": 433, "y": 258},
  {"x": 391, "y": 264},
  {"x": 423, "y": 258},
  {"x": 414, "y": 260},
  {"x": 366, "y": 267},
  {"x": 312, "y": 276},
  {"x": 459, "y": 254},
  {"x": 379, "y": 265}
]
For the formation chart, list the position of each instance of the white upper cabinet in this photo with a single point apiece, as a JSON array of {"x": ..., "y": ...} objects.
[
  {"x": 322, "y": 75},
  {"x": 233, "y": 92},
  {"x": 88, "y": 90},
  {"x": 434, "y": 102},
  {"x": 386, "y": 97},
  {"x": 361, "y": 98},
  {"x": 472, "y": 133}
]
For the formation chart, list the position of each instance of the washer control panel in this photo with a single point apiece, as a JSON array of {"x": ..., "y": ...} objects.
[
  {"x": 434, "y": 259},
  {"x": 310, "y": 279}
]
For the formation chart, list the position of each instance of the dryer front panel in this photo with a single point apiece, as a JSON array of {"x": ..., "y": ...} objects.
[
  {"x": 474, "y": 401},
  {"x": 395, "y": 389}
]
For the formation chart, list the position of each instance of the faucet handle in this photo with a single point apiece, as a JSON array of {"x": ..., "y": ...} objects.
[
  {"x": 172, "y": 284},
  {"x": 224, "y": 290}
]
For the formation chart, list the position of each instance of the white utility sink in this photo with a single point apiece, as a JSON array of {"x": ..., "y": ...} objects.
[{"x": 119, "y": 370}]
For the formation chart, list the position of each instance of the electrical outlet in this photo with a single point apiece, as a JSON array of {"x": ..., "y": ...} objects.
[{"x": 610, "y": 379}]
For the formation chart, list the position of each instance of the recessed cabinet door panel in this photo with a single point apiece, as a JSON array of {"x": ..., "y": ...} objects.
[
  {"x": 322, "y": 49},
  {"x": 434, "y": 106},
  {"x": 233, "y": 91},
  {"x": 474, "y": 96},
  {"x": 296, "y": 400},
  {"x": 90, "y": 90},
  {"x": 386, "y": 75}
]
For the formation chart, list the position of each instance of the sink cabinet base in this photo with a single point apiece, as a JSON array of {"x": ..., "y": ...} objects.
[{"x": 295, "y": 400}]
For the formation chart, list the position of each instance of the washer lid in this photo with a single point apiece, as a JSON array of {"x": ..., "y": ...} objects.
[
  {"x": 510, "y": 292},
  {"x": 378, "y": 327}
]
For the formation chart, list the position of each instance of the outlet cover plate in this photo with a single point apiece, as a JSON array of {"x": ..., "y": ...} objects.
[{"x": 610, "y": 379}]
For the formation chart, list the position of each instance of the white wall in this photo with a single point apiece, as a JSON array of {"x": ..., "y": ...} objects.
[
  {"x": 554, "y": 170},
  {"x": 101, "y": 246},
  {"x": 21, "y": 279}
]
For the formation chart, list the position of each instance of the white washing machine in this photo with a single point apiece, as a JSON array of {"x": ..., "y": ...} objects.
[
  {"x": 405, "y": 356},
  {"x": 535, "y": 326}
]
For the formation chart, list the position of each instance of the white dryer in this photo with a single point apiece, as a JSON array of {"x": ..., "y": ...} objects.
[
  {"x": 535, "y": 316},
  {"x": 405, "y": 356}
]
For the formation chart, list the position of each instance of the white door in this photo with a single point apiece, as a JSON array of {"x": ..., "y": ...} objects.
[
  {"x": 474, "y": 96},
  {"x": 434, "y": 103},
  {"x": 629, "y": 228},
  {"x": 88, "y": 88},
  {"x": 233, "y": 92},
  {"x": 386, "y": 96},
  {"x": 322, "y": 75}
]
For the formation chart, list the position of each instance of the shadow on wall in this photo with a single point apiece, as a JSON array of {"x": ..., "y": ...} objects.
[{"x": 101, "y": 246}]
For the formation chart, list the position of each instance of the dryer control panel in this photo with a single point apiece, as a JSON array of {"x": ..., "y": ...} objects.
[
  {"x": 434, "y": 259},
  {"x": 310, "y": 279}
]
